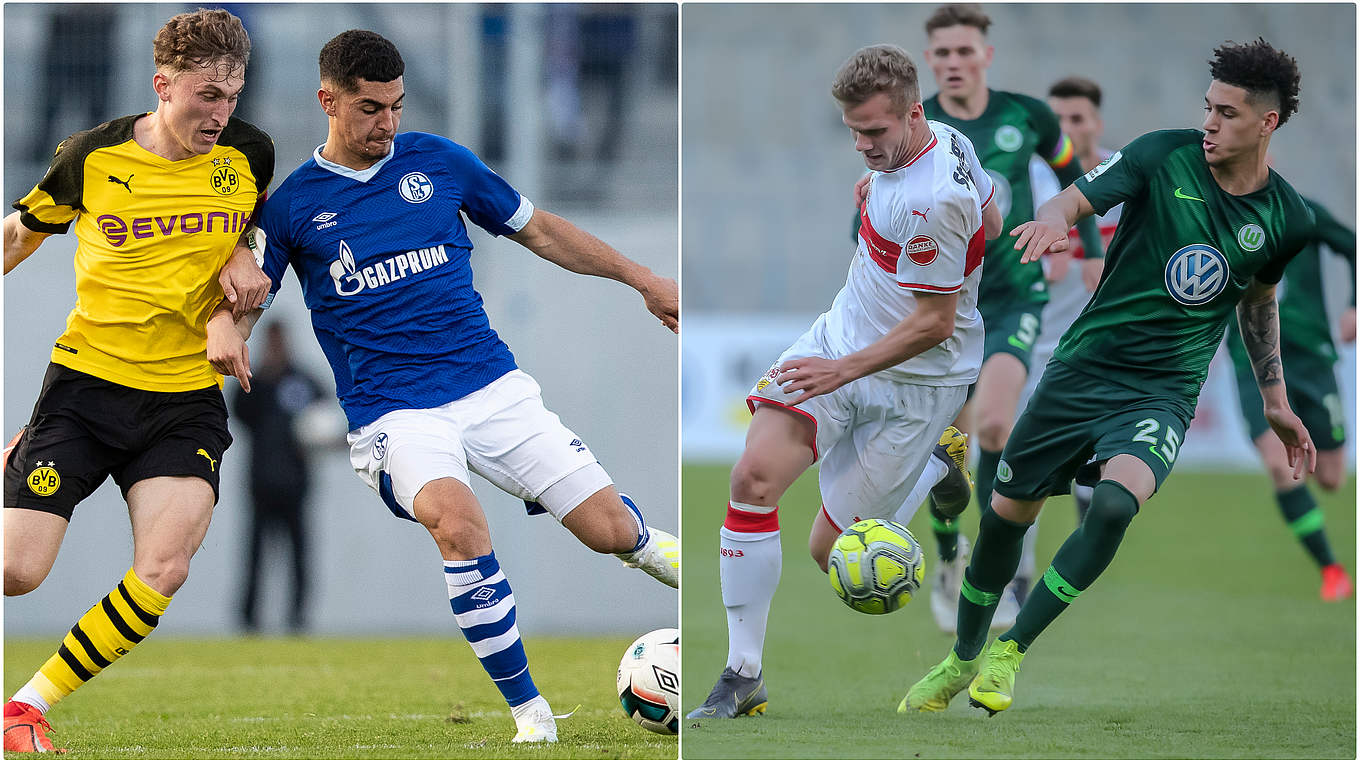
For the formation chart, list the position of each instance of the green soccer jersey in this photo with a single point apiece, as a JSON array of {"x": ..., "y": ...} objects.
[
  {"x": 1303, "y": 314},
  {"x": 1012, "y": 128},
  {"x": 1183, "y": 254}
]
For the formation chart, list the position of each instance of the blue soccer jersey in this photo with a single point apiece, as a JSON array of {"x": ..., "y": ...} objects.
[{"x": 383, "y": 257}]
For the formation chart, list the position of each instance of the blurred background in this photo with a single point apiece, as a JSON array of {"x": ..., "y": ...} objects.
[
  {"x": 576, "y": 105},
  {"x": 768, "y": 166}
]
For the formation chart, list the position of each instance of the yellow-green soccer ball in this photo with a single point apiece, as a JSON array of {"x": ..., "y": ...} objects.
[{"x": 875, "y": 566}]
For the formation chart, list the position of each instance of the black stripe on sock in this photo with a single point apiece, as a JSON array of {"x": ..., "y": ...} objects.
[
  {"x": 118, "y": 622},
  {"x": 143, "y": 615},
  {"x": 85, "y": 643},
  {"x": 74, "y": 664}
]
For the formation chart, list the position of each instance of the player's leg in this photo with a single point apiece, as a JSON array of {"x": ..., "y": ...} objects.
[
  {"x": 292, "y": 512},
  {"x": 611, "y": 523},
  {"x": 995, "y": 400},
  {"x": 1302, "y": 513},
  {"x": 32, "y": 540},
  {"x": 257, "y": 527}
]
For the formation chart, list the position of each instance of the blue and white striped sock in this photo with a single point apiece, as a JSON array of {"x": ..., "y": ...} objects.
[{"x": 484, "y": 607}]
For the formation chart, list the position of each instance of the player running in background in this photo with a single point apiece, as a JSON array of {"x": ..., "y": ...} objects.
[
  {"x": 1308, "y": 354},
  {"x": 1076, "y": 102},
  {"x": 1007, "y": 129},
  {"x": 870, "y": 387},
  {"x": 372, "y": 226},
  {"x": 1207, "y": 228},
  {"x": 158, "y": 201}
]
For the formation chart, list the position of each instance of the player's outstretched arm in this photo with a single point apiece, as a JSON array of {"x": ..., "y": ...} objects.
[
  {"x": 1259, "y": 321},
  {"x": 1048, "y": 231},
  {"x": 20, "y": 241},
  {"x": 931, "y": 322},
  {"x": 227, "y": 336},
  {"x": 991, "y": 221},
  {"x": 553, "y": 238}
]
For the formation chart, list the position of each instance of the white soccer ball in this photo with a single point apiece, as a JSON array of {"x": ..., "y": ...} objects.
[{"x": 649, "y": 681}]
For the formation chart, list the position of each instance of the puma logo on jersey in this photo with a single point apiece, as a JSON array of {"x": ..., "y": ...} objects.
[
  {"x": 921, "y": 214},
  {"x": 212, "y": 463},
  {"x": 126, "y": 183}
]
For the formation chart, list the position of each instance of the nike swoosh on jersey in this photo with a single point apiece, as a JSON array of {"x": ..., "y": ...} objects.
[{"x": 1185, "y": 197}]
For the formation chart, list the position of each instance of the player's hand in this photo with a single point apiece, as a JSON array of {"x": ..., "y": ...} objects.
[
  {"x": 1037, "y": 238},
  {"x": 227, "y": 350},
  {"x": 1091, "y": 270},
  {"x": 1056, "y": 265},
  {"x": 1347, "y": 325},
  {"x": 1298, "y": 444},
  {"x": 862, "y": 190},
  {"x": 812, "y": 375},
  {"x": 243, "y": 283},
  {"x": 662, "y": 297}
]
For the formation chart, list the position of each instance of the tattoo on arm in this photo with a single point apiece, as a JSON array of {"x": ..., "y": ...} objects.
[{"x": 1259, "y": 321}]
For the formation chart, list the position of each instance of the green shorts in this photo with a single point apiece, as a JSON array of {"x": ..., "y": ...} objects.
[
  {"x": 1075, "y": 422},
  {"x": 1311, "y": 386},
  {"x": 1012, "y": 330}
]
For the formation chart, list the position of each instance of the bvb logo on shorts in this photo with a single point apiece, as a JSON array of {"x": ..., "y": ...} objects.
[
  {"x": 44, "y": 480},
  {"x": 225, "y": 181},
  {"x": 1003, "y": 472}
]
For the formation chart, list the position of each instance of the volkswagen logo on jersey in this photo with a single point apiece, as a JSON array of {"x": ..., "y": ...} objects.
[
  {"x": 1196, "y": 273},
  {"x": 415, "y": 187}
]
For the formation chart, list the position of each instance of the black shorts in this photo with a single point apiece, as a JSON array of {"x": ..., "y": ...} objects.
[{"x": 84, "y": 429}]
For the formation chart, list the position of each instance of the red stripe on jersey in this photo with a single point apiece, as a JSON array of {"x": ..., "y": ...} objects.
[
  {"x": 883, "y": 251},
  {"x": 827, "y": 516},
  {"x": 990, "y": 195},
  {"x": 751, "y": 404},
  {"x": 930, "y": 288},
  {"x": 751, "y": 522},
  {"x": 976, "y": 247},
  {"x": 933, "y": 141}
]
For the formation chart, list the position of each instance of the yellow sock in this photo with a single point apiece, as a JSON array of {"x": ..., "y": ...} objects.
[{"x": 102, "y": 635}]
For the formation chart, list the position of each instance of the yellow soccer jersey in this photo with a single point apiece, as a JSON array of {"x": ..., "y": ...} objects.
[{"x": 152, "y": 236}]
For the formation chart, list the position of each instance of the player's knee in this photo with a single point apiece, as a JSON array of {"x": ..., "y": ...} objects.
[
  {"x": 753, "y": 482},
  {"x": 992, "y": 431},
  {"x": 1281, "y": 474},
  {"x": 1112, "y": 509},
  {"x": 458, "y": 534},
  {"x": 1330, "y": 472},
  {"x": 165, "y": 574},
  {"x": 820, "y": 554},
  {"x": 21, "y": 579},
  {"x": 615, "y": 535}
]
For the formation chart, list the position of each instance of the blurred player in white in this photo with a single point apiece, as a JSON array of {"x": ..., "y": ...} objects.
[
  {"x": 871, "y": 386},
  {"x": 1072, "y": 277}
]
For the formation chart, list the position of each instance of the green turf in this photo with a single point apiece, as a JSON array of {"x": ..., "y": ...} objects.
[
  {"x": 1205, "y": 638},
  {"x": 330, "y": 698}
]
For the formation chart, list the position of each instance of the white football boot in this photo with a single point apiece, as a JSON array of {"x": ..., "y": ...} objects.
[
  {"x": 659, "y": 557},
  {"x": 535, "y": 721}
]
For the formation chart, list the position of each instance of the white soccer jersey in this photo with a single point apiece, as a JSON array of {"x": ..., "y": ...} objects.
[{"x": 920, "y": 230}]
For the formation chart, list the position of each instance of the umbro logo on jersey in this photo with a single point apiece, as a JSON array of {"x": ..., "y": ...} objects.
[
  {"x": 324, "y": 220},
  {"x": 1185, "y": 197},
  {"x": 126, "y": 183},
  {"x": 921, "y": 214}
]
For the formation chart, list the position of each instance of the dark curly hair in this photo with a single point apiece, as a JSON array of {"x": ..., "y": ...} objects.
[
  {"x": 1264, "y": 72},
  {"x": 359, "y": 54}
]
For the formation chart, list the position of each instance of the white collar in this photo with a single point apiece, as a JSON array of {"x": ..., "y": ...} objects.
[{"x": 360, "y": 175}]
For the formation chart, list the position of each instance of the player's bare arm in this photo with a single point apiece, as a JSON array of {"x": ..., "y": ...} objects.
[
  {"x": 991, "y": 221},
  {"x": 227, "y": 336},
  {"x": 931, "y": 322},
  {"x": 243, "y": 282},
  {"x": 20, "y": 241},
  {"x": 1048, "y": 232},
  {"x": 1258, "y": 318},
  {"x": 553, "y": 238}
]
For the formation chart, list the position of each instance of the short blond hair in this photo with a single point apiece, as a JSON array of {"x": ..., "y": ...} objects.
[
  {"x": 193, "y": 41},
  {"x": 875, "y": 69}
]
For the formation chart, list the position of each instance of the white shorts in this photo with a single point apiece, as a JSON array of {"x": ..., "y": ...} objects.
[
  {"x": 873, "y": 436},
  {"x": 501, "y": 432}
]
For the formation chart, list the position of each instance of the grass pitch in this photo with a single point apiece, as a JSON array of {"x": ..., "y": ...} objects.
[
  {"x": 1204, "y": 638},
  {"x": 334, "y": 698}
]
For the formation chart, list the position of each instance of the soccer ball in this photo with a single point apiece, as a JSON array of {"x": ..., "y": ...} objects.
[
  {"x": 875, "y": 566},
  {"x": 649, "y": 681}
]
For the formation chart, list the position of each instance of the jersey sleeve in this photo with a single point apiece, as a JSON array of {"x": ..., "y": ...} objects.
[
  {"x": 488, "y": 200},
  {"x": 1116, "y": 179},
  {"x": 1336, "y": 236},
  {"x": 1301, "y": 233},
  {"x": 1054, "y": 147},
  {"x": 272, "y": 241},
  {"x": 53, "y": 203},
  {"x": 986, "y": 190},
  {"x": 935, "y": 250}
]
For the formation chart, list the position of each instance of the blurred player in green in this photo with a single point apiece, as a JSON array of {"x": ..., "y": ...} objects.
[
  {"x": 1207, "y": 228},
  {"x": 1007, "y": 129},
  {"x": 1308, "y": 354}
]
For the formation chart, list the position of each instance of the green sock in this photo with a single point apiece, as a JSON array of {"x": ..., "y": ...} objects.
[
  {"x": 1081, "y": 559},
  {"x": 985, "y": 476},
  {"x": 1304, "y": 517},
  {"x": 997, "y": 554},
  {"x": 946, "y": 532}
]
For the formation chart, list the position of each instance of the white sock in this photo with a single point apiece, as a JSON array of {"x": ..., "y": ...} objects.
[
  {"x": 29, "y": 696},
  {"x": 1026, "y": 567},
  {"x": 933, "y": 473},
  {"x": 749, "y": 568}
]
